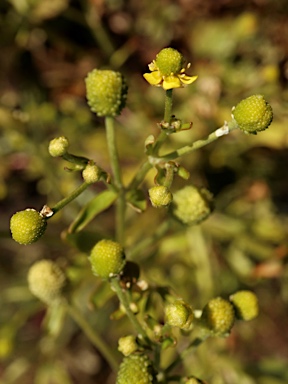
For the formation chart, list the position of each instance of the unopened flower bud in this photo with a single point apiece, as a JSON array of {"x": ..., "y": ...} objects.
[
  {"x": 46, "y": 280},
  {"x": 192, "y": 205},
  {"x": 179, "y": 314},
  {"x": 27, "y": 226},
  {"x": 127, "y": 345},
  {"x": 91, "y": 173},
  {"x": 253, "y": 114},
  {"x": 160, "y": 196},
  {"x": 107, "y": 258},
  {"x": 135, "y": 369},
  {"x": 58, "y": 146},
  {"x": 245, "y": 304},
  {"x": 218, "y": 316},
  {"x": 106, "y": 92}
]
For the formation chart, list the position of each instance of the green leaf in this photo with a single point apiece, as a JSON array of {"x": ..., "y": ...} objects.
[
  {"x": 137, "y": 200},
  {"x": 97, "y": 205}
]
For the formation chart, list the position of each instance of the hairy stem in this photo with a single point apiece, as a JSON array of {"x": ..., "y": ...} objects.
[
  {"x": 61, "y": 204},
  {"x": 125, "y": 302},
  {"x": 114, "y": 159}
]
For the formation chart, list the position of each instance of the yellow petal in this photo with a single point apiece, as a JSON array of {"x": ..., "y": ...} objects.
[
  {"x": 171, "y": 82},
  {"x": 187, "y": 79},
  {"x": 153, "y": 78}
]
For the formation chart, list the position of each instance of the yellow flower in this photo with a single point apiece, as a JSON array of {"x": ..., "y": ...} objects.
[{"x": 167, "y": 71}]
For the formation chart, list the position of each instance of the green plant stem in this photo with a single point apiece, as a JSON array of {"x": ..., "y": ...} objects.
[
  {"x": 167, "y": 119},
  {"x": 114, "y": 159},
  {"x": 196, "y": 145},
  {"x": 93, "y": 336},
  {"x": 122, "y": 296},
  {"x": 168, "y": 106},
  {"x": 145, "y": 168},
  {"x": 192, "y": 346},
  {"x": 61, "y": 204}
]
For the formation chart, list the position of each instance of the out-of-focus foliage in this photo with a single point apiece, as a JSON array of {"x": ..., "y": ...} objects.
[{"x": 237, "y": 48}]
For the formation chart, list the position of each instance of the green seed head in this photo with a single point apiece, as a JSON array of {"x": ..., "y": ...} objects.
[
  {"x": 106, "y": 92},
  {"x": 46, "y": 281},
  {"x": 107, "y": 258},
  {"x": 91, "y": 174},
  {"x": 245, "y": 304},
  {"x": 135, "y": 369},
  {"x": 218, "y": 316},
  {"x": 160, "y": 196},
  {"x": 179, "y": 314},
  {"x": 253, "y": 114},
  {"x": 127, "y": 345},
  {"x": 58, "y": 146},
  {"x": 27, "y": 226},
  {"x": 169, "y": 61},
  {"x": 192, "y": 205}
]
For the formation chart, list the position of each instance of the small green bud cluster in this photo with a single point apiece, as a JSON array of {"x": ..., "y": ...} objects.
[
  {"x": 46, "y": 280},
  {"x": 135, "y": 369},
  {"x": 106, "y": 92},
  {"x": 160, "y": 196},
  {"x": 179, "y": 314},
  {"x": 245, "y": 305},
  {"x": 127, "y": 345},
  {"x": 191, "y": 205},
  {"x": 218, "y": 316},
  {"x": 58, "y": 146},
  {"x": 91, "y": 173},
  {"x": 169, "y": 61},
  {"x": 253, "y": 114},
  {"x": 107, "y": 258},
  {"x": 27, "y": 226}
]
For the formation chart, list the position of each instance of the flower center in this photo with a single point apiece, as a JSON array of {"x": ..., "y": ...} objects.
[{"x": 169, "y": 61}]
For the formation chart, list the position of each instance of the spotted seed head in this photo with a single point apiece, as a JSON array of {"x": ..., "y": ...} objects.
[
  {"x": 107, "y": 258},
  {"x": 245, "y": 304},
  {"x": 27, "y": 226},
  {"x": 135, "y": 369},
  {"x": 46, "y": 280},
  {"x": 106, "y": 92},
  {"x": 160, "y": 196},
  {"x": 191, "y": 205},
  {"x": 253, "y": 114},
  {"x": 218, "y": 316},
  {"x": 169, "y": 61}
]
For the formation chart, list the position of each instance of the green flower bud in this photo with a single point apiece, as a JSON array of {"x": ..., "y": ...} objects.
[
  {"x": 127, "y": 345},
  {"x": 91, "y": 173},
  {"x": 253, "y": 114},
  {"x": 58, "y": 146},
  {"x": 245, "y": 304},
  {"x": 160, "y": 196},
  {"x": 169, "y": 61},
  {"x": 179, "y": 314},
  {"x": 27, "y": 226},
  {"x": 46, "y": 280},
  {"x": 218, "y": 316},
  {"x": 106, "y": 92},
  {"x": 107, "y": 258},
  {"x": 192, "y": 205},
  {"x": 135, "y": 369}
]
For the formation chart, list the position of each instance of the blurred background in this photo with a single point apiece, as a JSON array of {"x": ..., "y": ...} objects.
[{"x": 237, "y": 48}]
